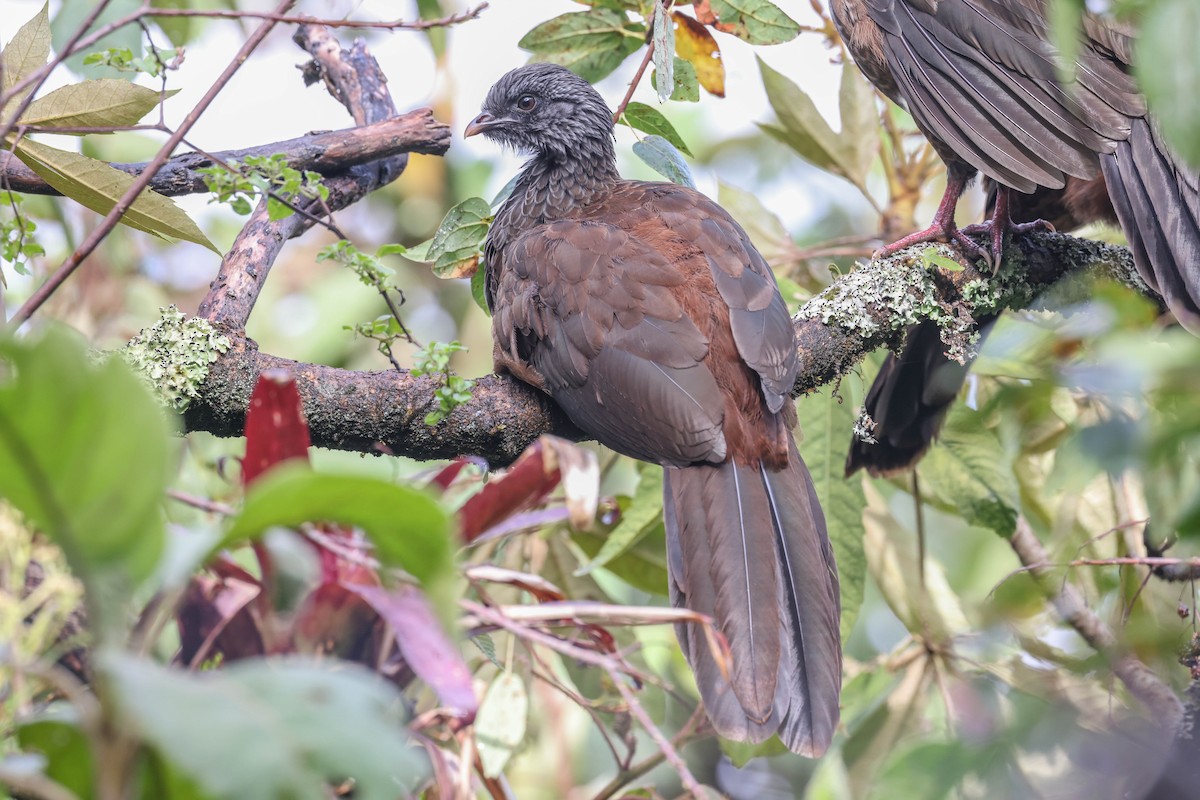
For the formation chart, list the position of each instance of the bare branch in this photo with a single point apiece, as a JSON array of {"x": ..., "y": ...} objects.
[
  {"x": 1159, "y": 699},
  {"x": 328, "y": 153}
]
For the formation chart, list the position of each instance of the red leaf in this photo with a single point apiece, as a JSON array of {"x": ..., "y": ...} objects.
[
  {"x": 528, "y": 481},
  {"x": 334, "y": 619},
  {"x": 448, "y": 473},
  {"x": 275, "y": 426},
  {"x": 424, "y": 645},
  {"x": 214, "y": 618}
]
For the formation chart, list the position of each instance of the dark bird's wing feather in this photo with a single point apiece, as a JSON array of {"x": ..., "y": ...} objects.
[
  {"x": 1157, "y": 199},
  {"x": 981, "y": 80},
  {"x": 592, "y": 310}
]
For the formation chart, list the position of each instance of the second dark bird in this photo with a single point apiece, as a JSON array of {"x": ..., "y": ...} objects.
[
  {"x": 982, "y": 82},
  {"x": 646, "y": 313}
]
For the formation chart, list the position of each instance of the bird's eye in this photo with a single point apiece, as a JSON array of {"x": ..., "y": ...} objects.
[{"x": 527, "y": 102}]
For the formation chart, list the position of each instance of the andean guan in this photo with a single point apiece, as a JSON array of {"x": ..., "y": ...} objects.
[
  {"x": 645, "y": 312},
  {"x": 981, "y": 81}
]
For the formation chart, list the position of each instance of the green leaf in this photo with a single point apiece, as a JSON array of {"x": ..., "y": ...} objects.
[
  {"x": 806, "y": 131},
  {"x": 455, "y": 247},
  {"x": 26, "y": 51},
  {"x": 105, "y": 103},
  {"x": 479, "y": 290},
  {"x": 56, "y": 735},
  {"x": 590, "y": 43},
  {"x": 827, "y": 421},
  {"x": 1064, "y": 20},
  {"x": 66, "y": 21},
  {"x": 756, "y": 21},
  {"x": 931, "y": 609},
  {"x": 177, "y": 29},
  {"x": 860, "y": 124},
  {"x": 85, "y": 455},
  {"x": 968, "y": 470},
  {"x": 297, "y": 724},
  {"x": 664, "y": 51},
  {"x": 935, "y": 260},
  {"x": 664, "y": 159},
  {"x": 648, "y": 119},
  {"x": 98, "y": 186},
  {"x": 407, "y": 527},
  {"x": 1169, "y": 71},
  {"x": 639, "y": 515},
  {"x": 765, "y": 228},
  {"x": 686, "y": 86},
  {"x": 500, "y": 723}
]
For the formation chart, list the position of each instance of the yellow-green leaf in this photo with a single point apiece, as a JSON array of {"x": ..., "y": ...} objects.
[
  {"x": 98, "y": 186},
  {"x": 26, "y": 51},
  {"x": 695, "y": 45},
  {"x": 104, "y": 103},
  {"x": 860, "y": 123}
]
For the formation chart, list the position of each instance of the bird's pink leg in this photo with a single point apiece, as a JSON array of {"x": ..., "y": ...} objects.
[
  {"x": 943, "y": 227},
  {"x": 1001, "y": 224}
]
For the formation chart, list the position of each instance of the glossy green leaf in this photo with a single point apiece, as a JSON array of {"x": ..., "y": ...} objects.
[
  {"x": 500, "y": 723},
  {"x": 756, "y": 21},
  {"x": 105, "y": 103},
  {"x": 98, "y": 186},
  {"x": 590, "y": 43},
  {"x": 827, "y": 421},
  {"x": 26, "y": 51},
  {"x": 649, "y": 119},
  {"x": 408, "y": 528},
  {"x": 664, "y": 159},
  {"x": 296, "y": 725},
  {"x": 479, "y": 289},
  {"x": 85, "y": 455}
]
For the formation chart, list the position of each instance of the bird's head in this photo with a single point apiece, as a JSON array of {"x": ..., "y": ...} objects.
[{"x": 548, "y": 110}]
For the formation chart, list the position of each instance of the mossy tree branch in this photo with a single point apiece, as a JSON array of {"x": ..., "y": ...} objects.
[{"x": 869, "y": 308}]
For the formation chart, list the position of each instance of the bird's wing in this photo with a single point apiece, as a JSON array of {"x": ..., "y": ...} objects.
[
  {"x": 703, "y": 234},
  {"x": 595, "y": 312},
  {"x": 980, "y": 77}
]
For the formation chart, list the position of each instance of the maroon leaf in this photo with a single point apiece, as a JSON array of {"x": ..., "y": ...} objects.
[
  {"x": 333, "y": 619},
  {"x": 424, "y": 645},
  {"x": 275, "y": 426},
  {"x": 214, "y": 618},
  {"x": 528, "y": 481},
  {"x": 446, "y": 475}
]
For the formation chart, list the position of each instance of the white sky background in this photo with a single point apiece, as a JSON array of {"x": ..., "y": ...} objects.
[{"x": 265, "y": 102}]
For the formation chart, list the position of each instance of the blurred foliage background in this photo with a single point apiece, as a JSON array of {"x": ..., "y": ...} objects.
[{"x": 1079, "y": 422}]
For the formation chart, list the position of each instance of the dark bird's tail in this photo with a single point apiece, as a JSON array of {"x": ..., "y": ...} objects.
[
  {"x": 908, "y": 402},
  {"x": 1157, "y": 199},
  {"x": 747, "y": 545}
]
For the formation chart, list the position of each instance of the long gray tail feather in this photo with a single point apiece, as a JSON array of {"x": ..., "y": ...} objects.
[
  {"x": 1157, "y": 199},
  {"x": 748, "y": 546}
]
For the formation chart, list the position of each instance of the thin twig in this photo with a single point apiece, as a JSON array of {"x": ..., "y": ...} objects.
[
  {"x": 664, "y": 745},
  {"x": 98, "y": 234},
  {"x": 304, "y": 19},
  {"x": 637, "y": 78},
  {"x": 1141, "y": 682}
]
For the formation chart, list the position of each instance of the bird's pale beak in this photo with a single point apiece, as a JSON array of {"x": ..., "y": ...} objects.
[{"x": 481, "y": 124}]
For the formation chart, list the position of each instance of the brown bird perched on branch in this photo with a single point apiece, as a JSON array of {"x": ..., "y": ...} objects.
[
  {"x": 646, "y": 313},
  {"x": 982, "y": 82}
]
